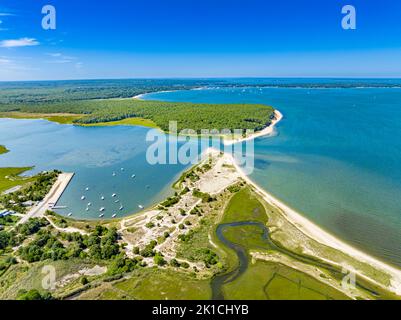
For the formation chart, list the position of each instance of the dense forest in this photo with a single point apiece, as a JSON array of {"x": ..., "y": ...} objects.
[
  {"x": 105, "y": 101},
  {"x": 16, "y": 93}
]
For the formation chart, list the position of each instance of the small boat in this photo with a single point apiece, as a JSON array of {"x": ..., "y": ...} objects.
[
  {"x": 89, "y": 204},
  {"x": 70, "y": 214},
  {"x": 114, "y": 195},
  {"x": 87, "y": 189},
  {"x": 102, "y": 197},
  {"x": 140, "y": 207},
  {"x": 87, "y": 209},
  {"x": 117, "y": 201},
  {"x": 83, "y": 198},
  {"x": 122, "y": 169},
  {"x": 133, "y": 176},
  {"x": 101, "y": 209},
  {"x": 101, "y": 215},
  {"x": 121, "y": 208},
  {"x": 114, "y": 215},
  {"x": 114, "y": 174}
]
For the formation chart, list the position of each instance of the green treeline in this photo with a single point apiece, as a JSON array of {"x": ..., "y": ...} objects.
[{"x": 188, "y": 115}]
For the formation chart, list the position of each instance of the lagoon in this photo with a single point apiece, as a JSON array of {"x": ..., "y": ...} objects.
[{"x": 97, "y": 156}]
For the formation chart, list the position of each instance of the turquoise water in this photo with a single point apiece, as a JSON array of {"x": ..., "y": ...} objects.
[
  {"x": 94, "y": 154},
  {"x": 336, "y": 158}
]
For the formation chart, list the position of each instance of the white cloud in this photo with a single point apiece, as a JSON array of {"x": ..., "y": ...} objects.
[
  {"x": 4, "y": 61},
  {"x": 61, "y": 58},
  {"x": 55, "y": 54},
  {"x": 23, "y": 42}
]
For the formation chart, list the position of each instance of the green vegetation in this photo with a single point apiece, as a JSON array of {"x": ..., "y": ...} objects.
[
  {"x": 20, "y": 277},
  {"x": 32, "y": 192},
  {"x": 146, "y": 284},
  {"x": 204, "y": 196},
  {"x": 3, "y": 149},
  {"x": 10, "y": 178},
  {"x": 124, "y": 122},
  {"x": 188, "y": 115},
  {"x": 33, "y": 295},
  {"x": 265, "y": 280},
  {"x": 245, "y": 206},
  {"x": 110, "y": 103},
  {"x": 54, "y": 117},
  {"x": 20, "y": 93},
  {"x": 272, "y": 281}
]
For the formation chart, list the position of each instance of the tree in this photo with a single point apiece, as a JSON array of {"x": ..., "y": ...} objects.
[
  {"x": 84, "y": 281},
  {"x": 159, "y": 260}
]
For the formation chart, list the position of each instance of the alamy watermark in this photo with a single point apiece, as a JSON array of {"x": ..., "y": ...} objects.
[
  {"x": 49, "y": 278},
  {"x": 49, "y": 21},
  {"x": 348, "y": 22},
  {"x": 349, "y": 279},
  {"x": 188, "y": 146}
]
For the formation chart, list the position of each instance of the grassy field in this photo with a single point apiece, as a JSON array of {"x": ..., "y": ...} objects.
[
  {"x": 60, "y": 118},
  {"x": 153, "y": 284},
  {"x": 24, "y": 276},
  {"x": 124, "y": 122},
  {"x": 245, "y": 206},
  {"x": 265, "y": 280},
  {"x": 272, "y": 281},
  {"x": 9, "y": 178}
]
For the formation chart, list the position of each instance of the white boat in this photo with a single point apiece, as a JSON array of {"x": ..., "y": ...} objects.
[
  {"x": 87, "y": 209},
  {"x": 122, "y": 169},
  {"x": 114, "y": 215},
  {"x": 87, "y": 189},
  {"x": 117, "y": 201},
  {"x": 70, "y": 214},
  {"x": 114, "y": 174},
  {"x": 121, "y": 207},
  {"x": 83, "y": 198},
  {"x": 114, "y": 195},
  {"x": 101, "y": 215},
  {"x": 102, "y": 197},
  {"x": 101, "y": 209},
  {"x": 140, "y": 207},
  {"x": 133, "y": 176},
  {"x": 89, "y": 204}
]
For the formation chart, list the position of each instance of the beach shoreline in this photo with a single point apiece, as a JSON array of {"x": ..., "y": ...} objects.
[
  {"x": 323, "y": 237},
  {"x": 278, "y": 116}
]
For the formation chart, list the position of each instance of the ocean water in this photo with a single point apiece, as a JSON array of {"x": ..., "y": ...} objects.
[
  {"x": 335, "y": 158},
  {"x": 93, "y": 154}
]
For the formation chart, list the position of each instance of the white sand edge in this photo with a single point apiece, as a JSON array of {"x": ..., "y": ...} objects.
[
  {"x": 278, "y": 116},
  {"x": 323, "y": 237}
]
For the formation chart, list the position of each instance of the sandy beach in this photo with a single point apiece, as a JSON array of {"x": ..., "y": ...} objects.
[
  {"x": 323, "y": 237},
  {"x": 278, "y": 116},
  {"x": 140, "y": 96}
]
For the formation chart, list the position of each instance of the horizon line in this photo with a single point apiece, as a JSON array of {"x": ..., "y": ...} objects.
[{"x": 208, "y": 78}]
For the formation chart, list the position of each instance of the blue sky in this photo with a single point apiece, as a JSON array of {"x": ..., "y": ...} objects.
[{"x": 193, "y": 38}]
